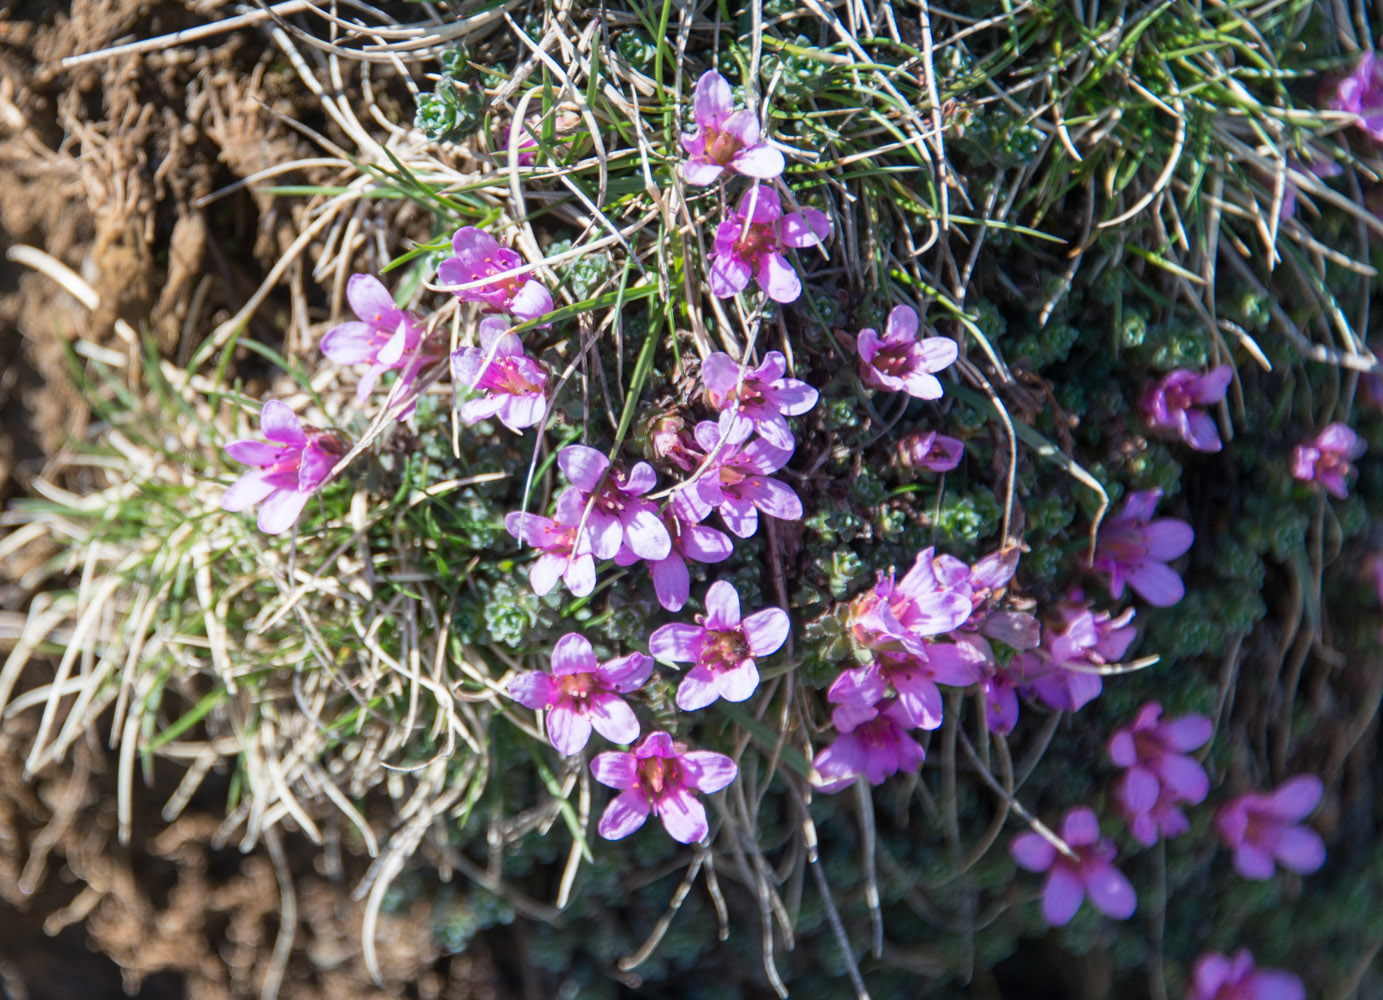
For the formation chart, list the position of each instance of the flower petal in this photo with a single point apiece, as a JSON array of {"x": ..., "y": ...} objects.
[
  {"x": 645, "y": 533},
  {"x": 684, "y": 818},
  {"x": 1032, "y": 851},
  {"x": 568, "y": 729},
  {"x": 707, "y": 771},
  {"x": 677, "y": 643},
  {"x": 722, "y": 606},
  {"x": 1299, "y": 849},
  {"x": 626, "y": 812},
  {"x": 671, "y": 581},
  {"x": 778, "y": 279},
  {"x": 532, "y": 690},
  {"x": 573, "y": 654},
  {"x": 738, "y": 683},
  {"x": 1110, "y": 891},
  {"x": 761, "y": 161},
  {"x": 582, "y": 465},
  {"x": 1080, "y": 827},
  {"x": 1157, "y": 583},
  {"x": 278, "y": 423},
  {"x": 627, "y": 673},
  {"x": 280, "y": 510},
  {"x": 350, "y": 343},
  {"x": 1062, "y": 895},
  {"x": 247, "y": 491},
  {"x": 613, "y": 718},
  {"x": 616, "y": 770},
  {"x": 766, "y": 630},
  {"x": 698, "y": 689},
  {"x": 713, "y": 101}
]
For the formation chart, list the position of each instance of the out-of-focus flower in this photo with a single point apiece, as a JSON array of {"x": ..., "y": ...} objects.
[
  {"x": 581, "y": 693},
  {"x": 1326, "y": 458},
  {"x": 1361, "y": 94},
  {"x": 659, "y": 776},
  {"x": 874, "y": 744},
  {"x": 725, "y": 139},
  {"x": 1065, "y": 672},
  {"x": 721, "y": 648},
  {"x": 1135, "y": 549},
  {"x": 383, "y": 337},
  {"x": 288, "y": 468},
  {"x": 751, "y": 245},
  {"x": 1159, "y": 774},
  {"x": 1068, "y": 881},
  {"x": 739, "y": 481},
  {"x": 619, "y": 514},
  {"x": 1263, "y": 829},
  {"x": 690, "y": 540},
  {"x": 765, "y": 397},
  {"x": 478, "y": 257},
  {"x": 1173, "y": 403},
  {"x": 900, "y": 362},
  {"x": 514, "y": 385},
  {"x": 1001, "y": 702},
  {"x": 562, "y": 556},
  {"x": 930, "y": 450},
  {"x": 1220, "y": 977}
]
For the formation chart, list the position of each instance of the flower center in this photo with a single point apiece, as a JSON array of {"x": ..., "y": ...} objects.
[
  {"x": 657, "y": 773},
  {"x": 724, "y": 650},
  {"x": 892, "y": 360},
  {"x": 721, "y": 147},
  {"x": 758, "y": 242},
  {"x": 509, "y": 378},
  {"x": 578, "y": 687}
]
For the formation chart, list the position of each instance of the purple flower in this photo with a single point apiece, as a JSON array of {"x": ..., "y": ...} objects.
[
  {"x": 875, "y": 744},
  {"x": 930, "y": 450},
  {"x": 739, "y": 481},
  {"x": 934, "y": 597},
  {"x": 725, "y": 139},
  {"x": 1065, "y": 673},
  {"x": 1326, "y": 458},
  {"x": 659, "y": 776},
  {"x": 1173, "y": 403},
  {"x": 765, "y": 397},
  {"x": 1159, "y": 775},
  {"x": 513, "y": 384},
  {"x": 1361, "y": 94},
  {"x": 479, "y": 256},
  {"x": 618, "y": 515},
  {"x": 384, "y": 337},
  {"x": 1001, "y": 702},
  {"x": 751, "y": 245},
  {"x": 1263, "y": 828},
  {"x": 899, "y": 362},
  {"x": 1133, "y": 548},
  {"x": 914, "y": 678},
  {"x": 1069, "y": 881},
  {"x": 1219, "y": 977},
  {"x": 562, "y": 556},
  {"x": 690, "y": 540},
  {"x": 287, "y": 468},
  {"x": 721, "y": 648},
  {"x": 580, "y": 694}
]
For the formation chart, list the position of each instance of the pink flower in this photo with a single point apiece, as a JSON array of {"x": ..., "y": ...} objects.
[
  {"x": 1134, "y": 549},
  {"x": 384, "y": 338},
  {"x": 580, "y": 694},
  {"x": 1361, "y": 94},
  {"x": 1159, "y": 774},
  {"x": 1326, "y": 458},
  {"x": 1069, "y": 881},
  {"x": 618, "y": 514},
  {"x": 914, "y": 678},
  {"x": 1065, "y": 673},
  {"x": 1219, "y": 977},
  {"x": 1001, "y": 702},
  {"x": 873, "y": 743},
  {"x": 562, "y": 556},
  {"x": 899, "y": 362},
  {"x": 740, "y": 483},
  {"x": 935, "y": 597},
  {"x": 514, "y": 386},
  {"x": 671, "y": 439},
  {"x": 659, "y": 776},
  {"x": 721, "y": 647},
  {"x": 725, "y": 139},
  {"x": 1173, "y": 403},
  {"x": 1263, "y": 828},
  {"x": 479, "y": 256},
  {"x": 690, "y": 540},
  {"x": 751, "y": 245},
  {"x": 765, "y": 397},
  {"x": 930, "y": 450},
  {"x": 288, "y": 468}
]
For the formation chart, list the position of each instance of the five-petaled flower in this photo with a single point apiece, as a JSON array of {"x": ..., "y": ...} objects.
[
  {"x": 580, "y": 694},
  {"x": 900, "y": 362},
  {"x": 1326, "y": 458},
  {"x": 1361, "y": 94},
  {"x": 1263, "y": 829},
  {"x": 725, "y": 139},
  {"x": 287, "y": 468},
  {"x": 1220, "y": 977},
  {"x": 618, "y": 512},
  {"x": 1135, "y": 549},
  {"x": 739, "y": 480},
  {"x": 514, "y": 386},
  {"x": 764, "y": 398},
  {"x": 721, "y": 648},
  {"x": 480, "y": 258},
  {"x": 1173, "y": 404},
  {"x": 562, "y": 555},
  {"x": 1159, "y": 775},
  {"x": 751, "y": 245},
  {"x": 873, "y": 743},
  {"x": 1070, "y": 880},
  {"x": 383, "y": 337},
  {"x": 659, "y": 776}
]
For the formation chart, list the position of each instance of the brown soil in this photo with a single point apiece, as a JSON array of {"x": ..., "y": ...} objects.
[{"x": 101, "y": 168}]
